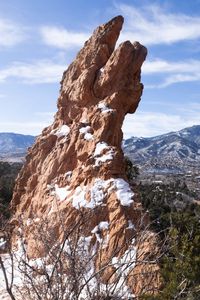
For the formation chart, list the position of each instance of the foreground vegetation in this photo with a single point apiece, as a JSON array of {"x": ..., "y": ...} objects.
[
  {"x": 8, "y": 174},
  {"x": 174, "y": 215}
]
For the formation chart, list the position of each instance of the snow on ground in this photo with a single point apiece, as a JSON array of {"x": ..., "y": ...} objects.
[
  {"x": 88, "y": 282},
  {"x": 12, "y": 269},
  {"x": 98, "y": 192},
  {"x": 124, "y": 265},
  {"x": 84, "y": 246}
]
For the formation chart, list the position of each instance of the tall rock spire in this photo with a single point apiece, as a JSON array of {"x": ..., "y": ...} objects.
[{"x": 76, "y": 166}]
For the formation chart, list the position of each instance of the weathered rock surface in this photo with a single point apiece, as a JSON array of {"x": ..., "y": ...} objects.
[{"x": 76, "y": 166}]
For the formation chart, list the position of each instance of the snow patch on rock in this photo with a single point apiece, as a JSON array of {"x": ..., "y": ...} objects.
[
  {"x": 68, "y": 174},
  {"x": 124, "y": 265},
  {"x": 2, "y": 243},
  {"x": 61, "y": 192},
  {"x": 64, "y": 130},
  {"x": 101, "y": 158},
  {"x": 98, "y": 192},
  {"x": 102, "y": 239},
  {"x": 104, "y": 107},
  {"x": 123, "y": 191},
  {"x": 87, "y": 135},
  {"x": 126, "y": 262},
  {"x": 130, "y": 225},
  {"x": 100, "y": 147},
  {"x": 78, "y": 199}
]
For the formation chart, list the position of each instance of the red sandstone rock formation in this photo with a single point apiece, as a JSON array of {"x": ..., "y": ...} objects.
[{"x": 77, "y": 166}]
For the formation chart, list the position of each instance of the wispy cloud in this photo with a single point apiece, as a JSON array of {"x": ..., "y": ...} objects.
[
  {"x": 10, "y": 33},
  {"x": 149, "y": 124},
  {"x": 177, "y": 78},
  {"x": 43, "y": 71},
  {"x": 43, "y": 119},
  {"x": 33, "y": 128},
  {"x": 163, "y": 66},
  {"x": 193, "y": 108},
  {"x": 154, "y": 25},
  {"x": 184, "y": 71},
  {"x": 46, "y": 114},
  {"x": 62, "y": 38}
]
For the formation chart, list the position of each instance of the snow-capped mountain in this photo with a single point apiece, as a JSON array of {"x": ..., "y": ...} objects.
[
  {"x": 13, "y": 146},
  {"x": 174, "y": 151}
]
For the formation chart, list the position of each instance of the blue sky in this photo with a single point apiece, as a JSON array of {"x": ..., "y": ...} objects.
[{"x": 38, "y": 39}]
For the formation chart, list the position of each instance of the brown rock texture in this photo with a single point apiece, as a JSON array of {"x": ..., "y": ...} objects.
[{"x": 76, "y": 166}]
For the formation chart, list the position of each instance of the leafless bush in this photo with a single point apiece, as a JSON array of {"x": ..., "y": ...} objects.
[{"x": 67, "y": 270}]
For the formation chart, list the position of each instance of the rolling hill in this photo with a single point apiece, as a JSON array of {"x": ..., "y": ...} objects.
[
  {"x": 172, "y": 152},
  {"x": 13, "y": 146}
]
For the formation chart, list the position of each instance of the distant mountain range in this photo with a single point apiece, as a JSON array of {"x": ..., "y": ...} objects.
[
  {"x": 13, "y": 146},
  {"x": 172, "y": 152}
]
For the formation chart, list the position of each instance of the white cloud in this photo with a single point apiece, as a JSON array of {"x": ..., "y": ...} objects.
[
  {"x": 149, "y": 124},
  {"x": 184, "y": 71},
  {"x": 33, "y": 128},
  {"x": 43, "y": 71},
  {"x": 153, "y": 25},
  {"x": 163, "y": 66},
  {"x": 144, "y": 124},
  {"x": 177, "y": 78},
  {"x": 193, "y": 108},
  {"x": 46, "y": 114},
  {"x": 62, "y": 38},
  {"x": 10, "y": 33},
  {"x": 44, "y": 119}
]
